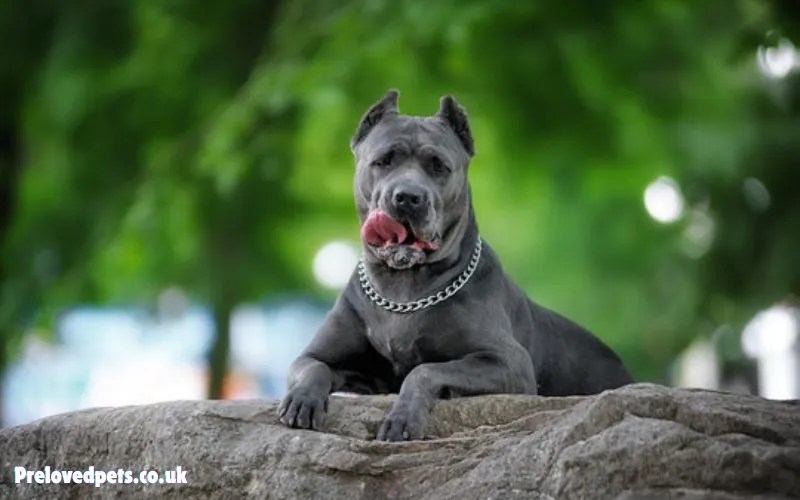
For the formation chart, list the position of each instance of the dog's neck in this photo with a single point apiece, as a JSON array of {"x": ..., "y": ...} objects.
[{"x": 426, "y": 279}]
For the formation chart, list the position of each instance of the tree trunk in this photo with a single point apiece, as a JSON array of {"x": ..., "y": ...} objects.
[
  {"x": 220, "y": 350},
  {"x": 9, "y": 178}
]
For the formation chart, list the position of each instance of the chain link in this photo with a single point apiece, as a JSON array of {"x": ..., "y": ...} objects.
[{"x": 431, "y": 300}]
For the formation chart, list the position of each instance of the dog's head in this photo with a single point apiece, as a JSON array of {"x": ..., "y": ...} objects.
[{"x": 411, "y": 185}]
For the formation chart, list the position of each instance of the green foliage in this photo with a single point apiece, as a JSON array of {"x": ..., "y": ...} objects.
[{"x": 205, "y": 145}]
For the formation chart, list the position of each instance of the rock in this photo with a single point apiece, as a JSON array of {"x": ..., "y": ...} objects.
[{"x": 641, "y": 441}]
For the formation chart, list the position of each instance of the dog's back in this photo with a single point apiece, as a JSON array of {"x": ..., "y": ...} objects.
[{"x": 568, "y": 359}]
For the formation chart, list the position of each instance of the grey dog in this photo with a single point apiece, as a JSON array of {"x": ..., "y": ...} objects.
[{"x": 429, "y": 313}]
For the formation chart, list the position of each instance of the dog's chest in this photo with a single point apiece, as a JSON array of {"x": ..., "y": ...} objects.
[{"x": 400, "y": 342}]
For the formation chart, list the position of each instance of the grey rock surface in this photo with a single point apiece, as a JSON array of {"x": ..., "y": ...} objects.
[{"x": 641, "y": 441}]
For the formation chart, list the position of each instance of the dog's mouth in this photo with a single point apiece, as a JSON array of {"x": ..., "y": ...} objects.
[{"x": 382, "y": 231}]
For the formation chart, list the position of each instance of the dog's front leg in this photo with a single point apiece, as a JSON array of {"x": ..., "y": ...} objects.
[
  {"x": 324, "y": 367},
  {"x": 480, "y": 373}
]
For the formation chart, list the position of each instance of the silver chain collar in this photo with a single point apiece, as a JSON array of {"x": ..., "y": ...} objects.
[{"x": 408, "y": 307}]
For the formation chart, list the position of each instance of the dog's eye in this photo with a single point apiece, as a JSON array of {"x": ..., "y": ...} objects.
[
  {"x": 437, "y": 166},
  {"x": 384, "y": 160}
]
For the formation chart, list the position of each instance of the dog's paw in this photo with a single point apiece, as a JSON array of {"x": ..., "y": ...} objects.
[
  {"x": 302, "y": 410},
  {"x": 401, "y": 425}
]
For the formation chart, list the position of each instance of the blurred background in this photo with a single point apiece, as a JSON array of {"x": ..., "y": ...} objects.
[{"x": 176, "y": 208}]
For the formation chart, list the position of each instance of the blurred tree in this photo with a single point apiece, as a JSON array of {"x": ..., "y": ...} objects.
[
  {"x": 118, "y": 201},
  {"x": 754, "y": 207}
]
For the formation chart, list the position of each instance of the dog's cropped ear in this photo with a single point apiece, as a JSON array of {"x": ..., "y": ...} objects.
[
  {"x": 455, "y": 116},
  {"x": 386, "y": 106}
]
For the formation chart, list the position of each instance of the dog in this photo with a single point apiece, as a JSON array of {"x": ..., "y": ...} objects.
[{"x": 429, "y": 312}]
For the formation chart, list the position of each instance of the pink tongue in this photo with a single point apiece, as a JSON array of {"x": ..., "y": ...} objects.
[{"x": 381, "y": 230}]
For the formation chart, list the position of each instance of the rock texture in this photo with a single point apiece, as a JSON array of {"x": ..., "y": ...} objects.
[{"x": 641, "y": 441}]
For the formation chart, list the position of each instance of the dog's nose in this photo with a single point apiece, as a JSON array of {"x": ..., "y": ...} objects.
[{"x": 409, "y": 197}]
